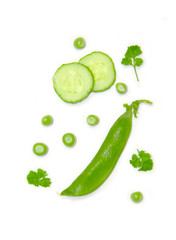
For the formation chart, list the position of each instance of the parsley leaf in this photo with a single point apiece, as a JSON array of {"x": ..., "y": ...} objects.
[
  {"x": 142, "y": 161},
  {"x": 41, "y": 173},
  {"x": 130, "y": 58},
  {"x": 133, "y": 51},
  {"x": 127, "y": 61},
  {"x": 138, "y": 61},
  {"x": 33, "y": 178},
  {"x": 45, "y": 182},
  {"x": 135, "y": 162},
  {"x": 38, "y": 178}
]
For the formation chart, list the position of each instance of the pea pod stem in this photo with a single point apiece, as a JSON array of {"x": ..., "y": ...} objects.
[
  {"x": 107, "y": 156},
  {"x": 135, "y": 105}
]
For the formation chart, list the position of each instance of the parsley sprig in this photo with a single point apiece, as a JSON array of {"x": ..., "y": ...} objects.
[
  {"x": 38, "y": 178},
  {"x": 142, "y": 161},
  {"x": 130, "y": 58}
]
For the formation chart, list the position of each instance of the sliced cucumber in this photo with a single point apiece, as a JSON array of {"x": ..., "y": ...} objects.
[
  {"x": 102, "y": 67},
  {"x": 73, "y": 82}
]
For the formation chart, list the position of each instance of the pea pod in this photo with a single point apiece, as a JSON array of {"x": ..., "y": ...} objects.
[{"x": 106, "y": 158}]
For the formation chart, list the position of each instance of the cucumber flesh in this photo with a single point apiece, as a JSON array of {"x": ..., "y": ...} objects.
[
  {"x": 73, "y": 82},
  {"x": 102, "y": 67}
]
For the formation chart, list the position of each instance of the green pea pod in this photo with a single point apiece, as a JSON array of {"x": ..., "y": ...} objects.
[{"x": 106, "y": 158}]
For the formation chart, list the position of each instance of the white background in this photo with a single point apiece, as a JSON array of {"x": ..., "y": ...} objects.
[{"x": 36, "y": 38}]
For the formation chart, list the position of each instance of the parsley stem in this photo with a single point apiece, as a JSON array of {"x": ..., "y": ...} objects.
[{"x": 136, "y": 73}]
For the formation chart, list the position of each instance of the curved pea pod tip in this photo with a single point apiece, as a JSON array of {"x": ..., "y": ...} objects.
[{"x": 135, "y": 105}]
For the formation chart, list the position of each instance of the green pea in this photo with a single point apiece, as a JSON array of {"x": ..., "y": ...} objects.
[
  {"x": 47, "y": 120},
  {"x": 69, "y": 139},
  {"x": 40, "y": 149},
  {"x": 92, "y": 120},
  {"x": 137, "y": 197},
  {"x": 121, "y": 88},
  {"x": 79, "y": 43}
]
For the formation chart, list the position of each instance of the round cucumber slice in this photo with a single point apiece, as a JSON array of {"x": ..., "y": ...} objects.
[
  {"x": 102, "y": 67},
  {"x": 73, "y": 82}
]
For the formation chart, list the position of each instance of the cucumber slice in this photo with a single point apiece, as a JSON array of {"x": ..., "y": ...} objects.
[
  {"x": 73, "y": 82},
  {"x": 102, "y": 67}
]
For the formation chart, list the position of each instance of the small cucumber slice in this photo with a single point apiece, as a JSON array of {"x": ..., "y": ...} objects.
[
  {"x": 102, "y": 67},
  {"x": 73, "y": 82}
]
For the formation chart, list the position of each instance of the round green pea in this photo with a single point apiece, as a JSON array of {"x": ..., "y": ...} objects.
[
  {"x": 69, "y": 139},
  {"x": 47, "y": 120},
  {"x": 92, "y": 120},
  {"x": 40, "y": 149},
  {"x": 136, "y": 197},
  {"x": 79, "y": 43},
  {"x": 121, "y": 88}
]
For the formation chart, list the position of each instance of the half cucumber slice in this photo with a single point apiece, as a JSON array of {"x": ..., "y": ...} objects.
[
  {"x": 102, "y": 67},
  {"x": 73, "y": 82}
]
